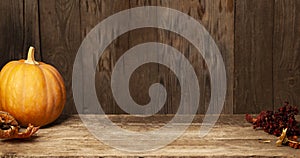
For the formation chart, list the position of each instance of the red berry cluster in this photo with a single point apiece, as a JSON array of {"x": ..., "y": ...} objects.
[{"x": 273, "y": 122}]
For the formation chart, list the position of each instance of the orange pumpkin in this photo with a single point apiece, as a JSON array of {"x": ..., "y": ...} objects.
[{"x": 33, "y": 92}]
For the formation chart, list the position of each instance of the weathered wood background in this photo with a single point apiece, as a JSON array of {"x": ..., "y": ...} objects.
[{"x": 259, "y": 41}]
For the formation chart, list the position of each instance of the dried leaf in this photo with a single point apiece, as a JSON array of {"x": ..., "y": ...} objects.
[{"x": 10, "y": 129}]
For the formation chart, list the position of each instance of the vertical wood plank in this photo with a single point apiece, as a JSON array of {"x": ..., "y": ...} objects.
[
  {"x": 286, "y": 66},
  {"x": 167, "y": 77},
  {"x": 218, "y": 18},
  {"x": 60, "y": 38},
  {"x": 31, "y": 28},
  {"x": 92, "y": 13},
  {"x": 12, "y": 30},
  {"x": 183, "y": 46},
  {"x": 253, "y": 56},
  {"x": 219, "y": 21},
  {"x": 146, "y": 74},
  {"x": 19, "y": 29}
]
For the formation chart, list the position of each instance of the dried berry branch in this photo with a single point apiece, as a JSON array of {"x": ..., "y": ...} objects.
[
  {"x": 274, "y": 122},
  {"x": 281, "y": 122}
]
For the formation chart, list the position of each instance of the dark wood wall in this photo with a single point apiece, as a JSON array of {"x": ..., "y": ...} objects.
[{"x": 259, "y": 41}]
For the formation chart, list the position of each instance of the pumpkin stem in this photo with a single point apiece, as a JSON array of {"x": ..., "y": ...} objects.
[{"x": 30, "y": 57}]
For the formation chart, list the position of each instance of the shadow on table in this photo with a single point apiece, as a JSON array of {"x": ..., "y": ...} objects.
[
  {"x": 18, "y": 141},
  {"x": 61, "y": 119}
]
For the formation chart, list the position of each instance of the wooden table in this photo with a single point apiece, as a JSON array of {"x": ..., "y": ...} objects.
[{"x": 232, "y": 136}]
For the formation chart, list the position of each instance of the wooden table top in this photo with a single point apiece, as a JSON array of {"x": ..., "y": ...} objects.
[{"x": 231, "y": 136}]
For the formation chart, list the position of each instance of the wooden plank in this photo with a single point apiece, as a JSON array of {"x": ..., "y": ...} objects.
[
  {"x": 183, "y": 46},
  {"x": 220, "y": 24},
  {"x": 19, "y": 29},
  {"x": 32, "y": 28},
  {"x": 146, "y": 74},
  {"x": 61, "y": 38},
  {"x": 286, "y": 66},
  {"x": 92, "y": 13},
  {"x": 218, "y": 18},
  {"x": 70, "y": 138},
  {"x": 142, "y": 78},
  {"x": 11, "y": 30},
  {"x": 253, "y": 56}
]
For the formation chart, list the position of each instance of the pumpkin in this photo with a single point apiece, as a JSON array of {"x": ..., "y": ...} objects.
[{"x": 33, "y": 92}]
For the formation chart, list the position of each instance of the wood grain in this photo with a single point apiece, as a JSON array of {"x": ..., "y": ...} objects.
[
  {"x": 92, "y": 13},
  {"x": 253, "y": 56},
  {"x": 61, "y": 38},
  {"x": 258, "y": 39},
  {"x": 231, "y": 136},
  {"x": 183, "y": 46},
  {"x": 218, "y": 18},
  {"x": 286, "y": 49},
  {"x": 148, "y": 74},
  {"x": 19, "y": 29},
  {"x": 31, "y": 28}
]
